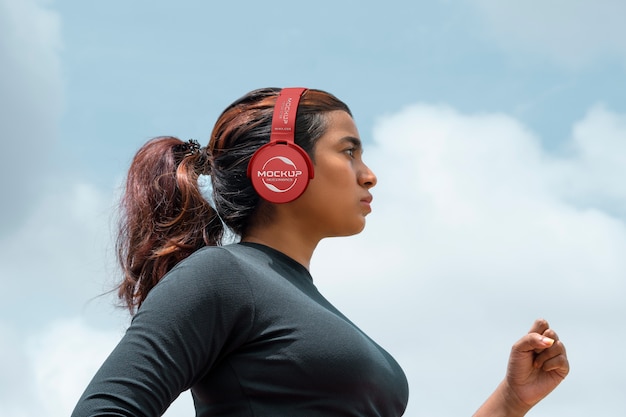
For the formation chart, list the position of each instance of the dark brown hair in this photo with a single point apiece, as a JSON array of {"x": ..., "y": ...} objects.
[{"x": 164, "y": 216}]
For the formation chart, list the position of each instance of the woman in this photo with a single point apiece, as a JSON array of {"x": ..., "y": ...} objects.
[{"x": 242, "y": 324}]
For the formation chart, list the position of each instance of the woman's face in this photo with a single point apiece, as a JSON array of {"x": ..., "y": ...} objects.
[{"x": 337, "y": 199}]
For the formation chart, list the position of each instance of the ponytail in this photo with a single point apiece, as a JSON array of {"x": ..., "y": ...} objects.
[{"x": 163, "y": 215}]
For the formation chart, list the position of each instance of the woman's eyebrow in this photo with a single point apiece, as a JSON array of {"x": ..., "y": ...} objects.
[{"x": 356, "y": 142}]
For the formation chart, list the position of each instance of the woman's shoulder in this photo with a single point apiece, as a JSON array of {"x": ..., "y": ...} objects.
[
  {"x": 209, "y": 278},
  {"x": 208, "y": 258},
  {"x": 210, "y": 265}
]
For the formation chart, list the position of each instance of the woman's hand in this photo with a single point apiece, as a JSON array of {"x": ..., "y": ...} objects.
[{"x": 537, "y": 364}]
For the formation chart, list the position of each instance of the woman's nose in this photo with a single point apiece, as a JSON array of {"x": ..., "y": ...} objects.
[{"x": 367, "y": 178}]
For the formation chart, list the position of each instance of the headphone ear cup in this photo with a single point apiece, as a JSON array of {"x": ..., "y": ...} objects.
[{"x": 280, "y": 172}]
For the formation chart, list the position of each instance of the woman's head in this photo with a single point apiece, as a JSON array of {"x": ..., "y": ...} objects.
[
  {"x": 164, "y": 217},
  {"x": 240, "y": 131}
]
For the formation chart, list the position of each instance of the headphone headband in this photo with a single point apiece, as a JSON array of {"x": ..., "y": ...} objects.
[{"x": 284, "y": 118}]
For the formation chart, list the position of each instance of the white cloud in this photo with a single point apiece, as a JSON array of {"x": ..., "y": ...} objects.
[
  {"x": 44, "y": 373},
  {"x": 476, "y": 231},
  {"x": 64, "y": 358},
  {"x": 16, "y": 388},
  {"x": 63, "y": 253},
  {"x": 31, "y": 102},
  {"x": 571, "y": 33},
  {"x": 598, "y": 155}
]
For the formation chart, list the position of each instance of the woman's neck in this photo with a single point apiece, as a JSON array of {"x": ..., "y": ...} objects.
[{"x": 297, "y": 245}]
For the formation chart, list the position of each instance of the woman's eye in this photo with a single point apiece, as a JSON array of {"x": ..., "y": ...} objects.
[{"x": 350, "y": 152}]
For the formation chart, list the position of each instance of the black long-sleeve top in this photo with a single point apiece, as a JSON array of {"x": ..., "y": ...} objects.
[{"x": 244, "y": 327}]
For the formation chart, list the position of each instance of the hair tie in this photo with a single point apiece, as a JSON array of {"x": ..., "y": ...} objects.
[
  {"x": 191, "y": 147},
  {"x": 194, "y": 147}
]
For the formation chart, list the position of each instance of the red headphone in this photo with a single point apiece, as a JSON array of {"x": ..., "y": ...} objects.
[{"x": 280, "y": 170}]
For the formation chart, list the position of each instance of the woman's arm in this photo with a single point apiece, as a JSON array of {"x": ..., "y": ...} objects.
[
  {"x": 198, "y": 311},
  {"x": 537, "y": 364}
]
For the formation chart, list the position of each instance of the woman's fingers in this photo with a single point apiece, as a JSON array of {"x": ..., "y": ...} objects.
[
  {"x": 539, "y": 326},
  {"x": 553, "y": 358},
  {"x": 533, "y": 342}
]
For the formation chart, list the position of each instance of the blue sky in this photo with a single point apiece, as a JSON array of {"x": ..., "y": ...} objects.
[{"x": 497, "y": 130}]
